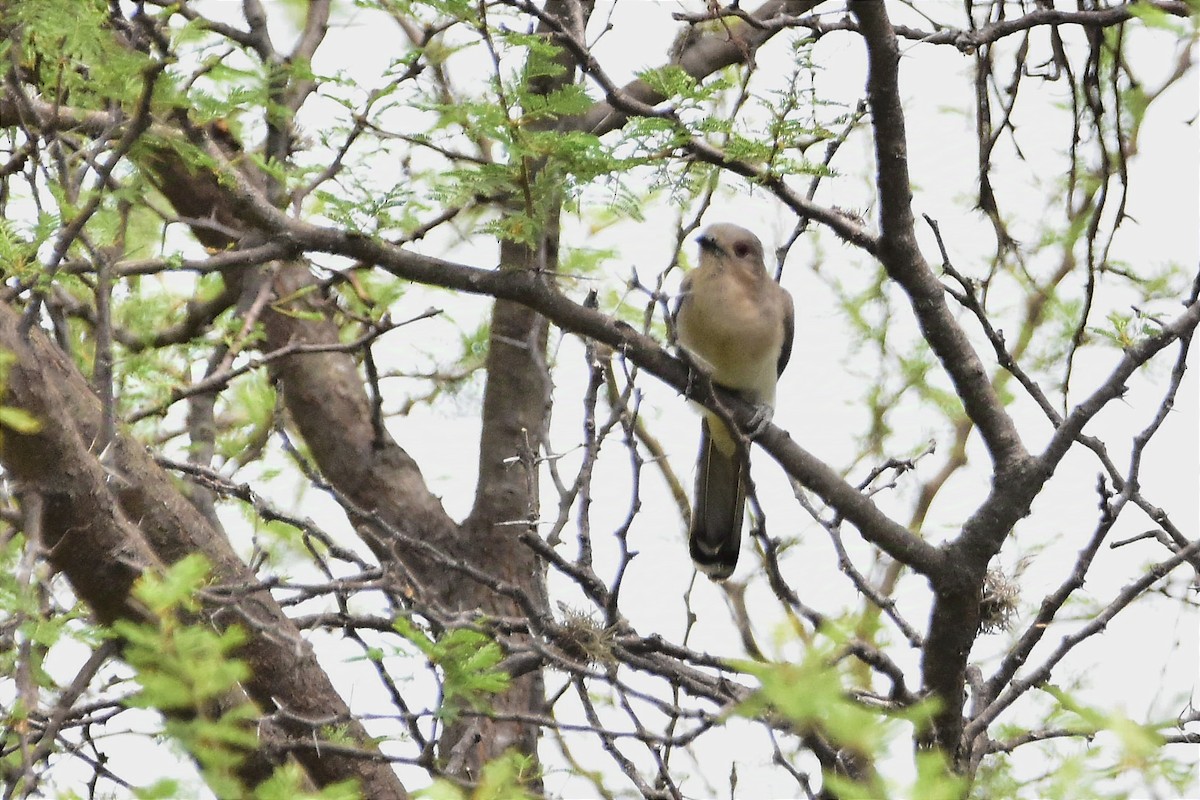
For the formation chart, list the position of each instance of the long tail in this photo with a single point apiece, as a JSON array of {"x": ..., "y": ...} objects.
[{"x": 716, "y": 534}]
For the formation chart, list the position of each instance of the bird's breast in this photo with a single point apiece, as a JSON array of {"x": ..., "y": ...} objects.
[{"x": 729, "y": 329}]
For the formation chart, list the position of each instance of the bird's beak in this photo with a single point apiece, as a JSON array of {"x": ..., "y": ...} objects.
[{"x": 707, "y": 242}]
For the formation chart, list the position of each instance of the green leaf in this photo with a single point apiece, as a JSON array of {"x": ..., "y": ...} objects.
[
  {"x": 19, "y": 420},
  {"x": 441, "y": 789},
  {"x": 177, "y": 587},
  {"x": 1139, "y": 744},
  {"x": 669, "y": 81},
  {"x": 812, "y": 693},
  {"x": 1154, "y": 17},
  {"x": 936, "y": 780},
  {"x": 288, "y": 782},
  {"x": 165, "y": 789},
  {"x": 467, "y": 660},
  {"x": 504, "y": 778}
]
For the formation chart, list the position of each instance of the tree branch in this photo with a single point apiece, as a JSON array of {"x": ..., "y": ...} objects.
[
  {"x": 91, "y": 537},
  {"x": 901, "y": 256},
  {"x": 699, "y": 57}
]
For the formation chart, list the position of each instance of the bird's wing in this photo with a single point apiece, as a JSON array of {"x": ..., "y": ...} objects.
[{"x": 789, "y": 331}]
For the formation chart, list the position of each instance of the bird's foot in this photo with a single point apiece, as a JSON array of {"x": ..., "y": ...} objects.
[
  {"x": 695, "y": 374},
  {"x": 756, "y": 426}
]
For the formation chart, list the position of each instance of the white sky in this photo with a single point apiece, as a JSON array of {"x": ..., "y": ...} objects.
[{"x": 818, "y": 395}]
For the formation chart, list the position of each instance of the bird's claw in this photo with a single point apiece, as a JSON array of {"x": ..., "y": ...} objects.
[
  {"x": 694, "y": 374},
  {"x": 756, "y": 426}
]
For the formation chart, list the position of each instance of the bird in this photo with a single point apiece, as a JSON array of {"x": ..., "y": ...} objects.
[{"x": 736, "y": 323}]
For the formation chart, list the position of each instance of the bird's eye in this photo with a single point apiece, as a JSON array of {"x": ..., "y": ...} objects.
[{"x": 741, "y": 249}]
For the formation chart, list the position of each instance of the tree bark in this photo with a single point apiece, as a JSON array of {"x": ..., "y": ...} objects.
[{"x": 107, "y": 523}]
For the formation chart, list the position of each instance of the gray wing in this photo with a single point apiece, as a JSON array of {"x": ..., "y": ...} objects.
[
  {"x": 789, "y": 331},
  {"x": 685, "y": 288}
]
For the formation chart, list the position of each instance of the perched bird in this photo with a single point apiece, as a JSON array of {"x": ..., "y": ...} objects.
[{"x": 736, "y": 323}]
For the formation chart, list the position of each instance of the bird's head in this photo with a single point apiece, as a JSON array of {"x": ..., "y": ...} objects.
[{"x": 731, "y": 244}]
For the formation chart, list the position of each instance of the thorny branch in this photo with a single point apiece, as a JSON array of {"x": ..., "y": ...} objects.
[{"x": 664, "y": 695}]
